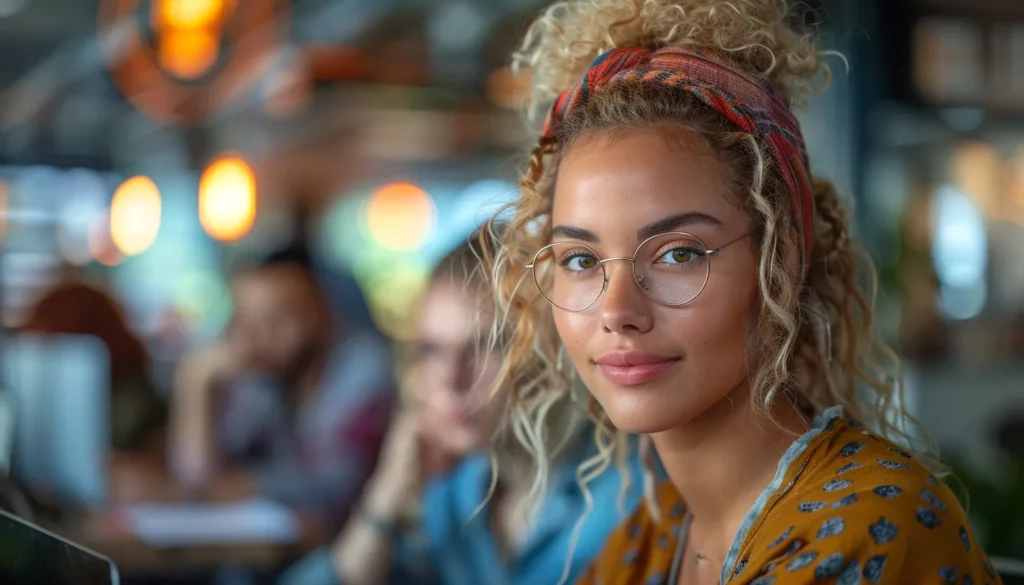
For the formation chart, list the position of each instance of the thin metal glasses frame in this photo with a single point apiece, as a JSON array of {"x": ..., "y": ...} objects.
[{"x": 632, "y": 260}]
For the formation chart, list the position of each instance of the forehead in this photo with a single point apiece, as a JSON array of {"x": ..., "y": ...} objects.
[
  {"x": 626, "y": 180},
  {"x": 451, "y": 312},
  {"x": 273, "y": 284}
]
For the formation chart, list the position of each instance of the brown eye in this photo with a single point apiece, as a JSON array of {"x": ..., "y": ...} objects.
[
  {"x": 578, "y": 262},
  {"x": 682, "y": 255}
]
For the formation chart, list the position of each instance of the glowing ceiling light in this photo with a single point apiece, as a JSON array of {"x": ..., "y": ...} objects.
[
  {"x": 188, "y": 54},
  {"x": 227, "y": 198},
  {"x": 190, "y": 14},
  {"x": 135, "y": 215}
]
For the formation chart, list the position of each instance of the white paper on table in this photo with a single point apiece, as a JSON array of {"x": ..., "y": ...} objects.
[{"x": 249, "y": 522}]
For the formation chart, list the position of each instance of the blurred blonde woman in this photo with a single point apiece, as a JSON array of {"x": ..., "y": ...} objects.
[
  {"x": 430, "y": 513},
  {"x": 673, "y": 247}
]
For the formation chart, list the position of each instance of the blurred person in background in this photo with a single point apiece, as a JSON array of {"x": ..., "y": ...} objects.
[
  {"x": 138, "y": 414},
  {"x": 417, "y": 521},
  {"x": 282, "y": 406}
]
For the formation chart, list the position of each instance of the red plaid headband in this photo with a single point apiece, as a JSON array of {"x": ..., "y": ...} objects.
[{"x": 750, "y": 105}]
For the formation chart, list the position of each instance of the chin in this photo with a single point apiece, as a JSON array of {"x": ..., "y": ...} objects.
[
  {"x": 649, "y": 408},
  {"x": 641, "y": 421},
  {"x": 641, "y": 410}
]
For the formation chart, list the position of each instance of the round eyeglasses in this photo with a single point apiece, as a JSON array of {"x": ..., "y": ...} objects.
[{"x": 670, "y": 268}]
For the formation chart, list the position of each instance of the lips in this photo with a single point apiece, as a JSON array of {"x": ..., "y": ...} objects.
[{"x": 633, "y": 368}]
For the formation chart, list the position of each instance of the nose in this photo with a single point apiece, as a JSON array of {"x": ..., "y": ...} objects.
[{"x": 625, "y": 307}]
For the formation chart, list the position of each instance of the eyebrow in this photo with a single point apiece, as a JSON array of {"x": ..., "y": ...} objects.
[
  {"x": 674, "y": 222},
  {"x": 661, "y": 226},
  {"x": 574, "y": 233}
]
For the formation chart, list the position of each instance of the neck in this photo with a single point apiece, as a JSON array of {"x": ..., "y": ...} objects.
[{"x": 722, "y": 460}]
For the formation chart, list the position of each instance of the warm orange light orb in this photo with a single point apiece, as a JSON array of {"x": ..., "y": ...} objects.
[
  {"x": 189, "y": 14},
  {"x": 188, "y": 54},
  {"x": 135, "y": 215},
  {"x": 401, "y": 216},
  {"x": 227, "y": 198}
]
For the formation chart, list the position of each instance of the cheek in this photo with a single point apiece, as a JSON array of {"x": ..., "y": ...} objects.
[
  {"x": 575, "y": 329},
  {"x": 436, "y": 408},
  {"x": 717, "y": 334},
  {"x": 720, "y": 328}
]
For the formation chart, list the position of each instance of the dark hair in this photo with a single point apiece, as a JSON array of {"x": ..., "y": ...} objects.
[
  {"x": 294, "y": 254},
  {"x": 74, "y": 307}
]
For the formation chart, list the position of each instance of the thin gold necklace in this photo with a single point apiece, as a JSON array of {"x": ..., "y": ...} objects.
[{"x": 701, "y": 557}]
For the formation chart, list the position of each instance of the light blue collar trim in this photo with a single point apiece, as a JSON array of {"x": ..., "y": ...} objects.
[{"x": 791, "y": 454}]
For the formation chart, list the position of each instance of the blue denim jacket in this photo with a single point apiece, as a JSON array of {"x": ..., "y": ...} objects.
[{"x": 451, "y": 547}]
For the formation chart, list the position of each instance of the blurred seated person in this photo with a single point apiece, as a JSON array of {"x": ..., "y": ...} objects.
[
  {"x": 281, "y": 406},
  {"x": 138, "y": 413},
  {"x": 416, "y": 522}
]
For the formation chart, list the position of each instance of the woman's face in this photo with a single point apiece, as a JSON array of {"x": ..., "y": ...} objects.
[
  {"x": 278, "y": 319},
  {"x": 450, "y": 376},
  {"x": 655, "y": 367}
]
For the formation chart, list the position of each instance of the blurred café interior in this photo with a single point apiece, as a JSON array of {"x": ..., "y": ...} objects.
[{"x": 150, "y": 150}]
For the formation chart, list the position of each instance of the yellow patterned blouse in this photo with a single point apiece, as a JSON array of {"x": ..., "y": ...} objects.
[{"x": 846, "y": 507}]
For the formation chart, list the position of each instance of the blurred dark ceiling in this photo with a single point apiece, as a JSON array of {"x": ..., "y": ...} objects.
[
  {"x": 32, "y": 29},
  {"x": 59, "y": 105}
]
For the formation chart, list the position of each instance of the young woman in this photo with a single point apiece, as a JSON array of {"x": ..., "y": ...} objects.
[
  {"x": 705, "y": 286},
  {"x": 418, "y": 521}
]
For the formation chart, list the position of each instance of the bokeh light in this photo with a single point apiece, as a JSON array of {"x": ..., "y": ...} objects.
[
  {"x": 483, "y": 199},
  {"x": 135, "y": 215},
  {"x": 5, "y": 206},
  {"x": 190, "y": 14},
  {"x": 1015, "y": 171},
  {"x": 508, "y": 89},
  {"x": 392, "y": 297},
  {"x": 959, "y": 252},
  {"x": 188, "y": 53},
  {"x": 401, "y": 216},
  {"x": 227, "y": 198},
  {"x": 89, "y": 197},
  {"x": 976, "y": 170}
]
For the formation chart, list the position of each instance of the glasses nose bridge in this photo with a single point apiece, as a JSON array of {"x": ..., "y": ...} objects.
[
  {"x": 607, "y": 276},
  {"x": 630, "y": 259}
]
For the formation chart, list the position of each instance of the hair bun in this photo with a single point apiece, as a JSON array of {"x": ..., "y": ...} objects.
[{"x": 761, "y": 37}]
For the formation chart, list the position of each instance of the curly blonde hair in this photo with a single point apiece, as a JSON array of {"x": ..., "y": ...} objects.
[{"x": 814, "y": 333}]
